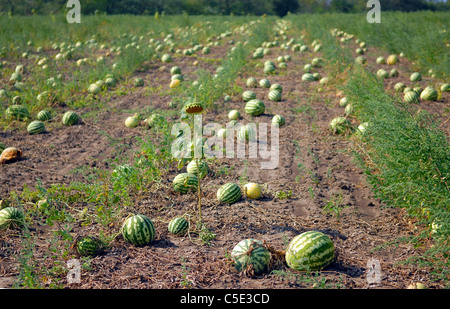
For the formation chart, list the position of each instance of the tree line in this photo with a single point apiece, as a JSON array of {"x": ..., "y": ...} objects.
[{"x": 214, "y": 7}]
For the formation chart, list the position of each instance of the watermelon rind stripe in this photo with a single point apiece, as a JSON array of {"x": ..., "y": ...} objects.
[{"x": 138, "y": 230}]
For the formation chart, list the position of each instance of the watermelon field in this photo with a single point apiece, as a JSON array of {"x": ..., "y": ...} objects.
[{"x": 345, "y": 184}]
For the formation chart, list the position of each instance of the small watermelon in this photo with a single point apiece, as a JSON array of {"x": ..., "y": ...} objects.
[
  {"x": 44, "y": 115},
  {"x": 252, "y": 190},
  {"x": 11, "y": 218},
  {"x": 192, "y": 168},
  {"x": 178, "y": 226},
  {"x": 89, "y": 246},
  {"x": 36, "y": 127},
  {"x": 251, "y": 256}
]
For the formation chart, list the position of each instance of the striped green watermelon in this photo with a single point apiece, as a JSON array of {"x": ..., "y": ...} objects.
[
  {"x": 138, "y": 230},
  {"x": 89, "y": 246},
  {"x": 255, "y": 107},
  {"x": 246, "y": 133},
  {"x": 11, "y": 218},
  {"x": 192, "y": 168},
  {"x": 310, "y": 250},
  {"x": 229, "y": 193},
  {"x": 274, "y": 95},
  {"x": 70, "y": 118},
  {"x": 339, "y": 125},
  {"x": 415, "y": 77},
  {"x": 185, "y": 182},
  {"x": 429, "y": 94},
  {"x": 44, "y": 115},
  {"x": 308, "y": 77},
  {"x": 36, "y": 127},
  {"x": 248, "y": 95},
  {"x": 279, "y": 119},
  {"x": 17, "y": 111},
  {"x": 276, "y": 87},
  {"x": 264, "y": 83},
  {"x": 178, "y": 226},
  {"x": 411, "y": 97},
  {"x": 252, "y": 82},
  {"x": 251, "y": 256}
]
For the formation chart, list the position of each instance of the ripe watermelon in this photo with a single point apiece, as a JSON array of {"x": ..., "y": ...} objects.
[
  {"x": 88, "y": 246},
  {"x": 279, "y": 119},
  {"x": 255, "y": 107},
  {"x": 11, "y": 218},
  {"x": 229, "y": 193},
  {"x": 310, "y": 250},
  {"x": 185, "y": 182},
  {"x": 70, "y": 118},
  {"x": 274, "y": 95},
  {"x": 138, "y": 230},
  {"x": 411, "y": 97},
  {"x": 36, "y": 127},
  {"x": 248, "y": 95},
  {"x": 44, "y": 115},
  {"x": 246, "y": 133},
  {"x": 17, "y": 111},
  {"x": 429, "y": 94},
  {"x": 193, "y": 169},
  {"x": 251, "y": 256},
  {"x": 178, "y": 226}
]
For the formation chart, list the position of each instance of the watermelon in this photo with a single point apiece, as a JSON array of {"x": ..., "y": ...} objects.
[
  {"x": 234, "y": 114},
  {"x": 11, "y": 218},
  {"x": 255, "y": 107},
  {"x": 308, "y": 77},
  {"x": 248, "y": 95},
  {"x": 251, "y": 256},
  {"x": 411, "y": 97},
  {"x": 264, "y": 83},
  {"x": 415, "y": 77},
  {"x": 246, "y": 133},
  {"x": 70, "y": 118},
  {"x": 274, "y": 95},
  {"x": 185, "y": 182},
  {"x": 88, "y": 246},
  {"x": 192, "y": 168},
  {"x": 279, "y": 119},
  {"x": 429, "y": 94},
  {"x": 252, "y": 190},
  {"x": 36, "y": 127},
  {"x": 252, "y": 82},
  {"x": 44, "y": 115},
  {"x": 310, "y": 250},
  {"x": 138, "y": 230},
  {"x": 178, "y": 226},
  {"x": 444, "y": 87},
  {"x": 229, "y": 193},
  {"x": 339, "y": 125},
  {"x": 17, "y": 111},
  {"x": 276, "y": 87}
]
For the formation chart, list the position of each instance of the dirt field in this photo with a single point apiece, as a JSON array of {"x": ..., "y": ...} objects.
[{"x": 314, "y": 166}]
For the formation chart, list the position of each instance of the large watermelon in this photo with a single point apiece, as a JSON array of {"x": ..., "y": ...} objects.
[
  {"x": 17, "y": 111},
  {"x": 184, "y": 182},
  {"x": 248, "y": 95},
  {"x": 229, "y": 193},
  {"x": 255, "y": 107},
  {"x": 310, "y": 250},
  {"x": 246, "y": 133},
  {"x": 138, "y": 230},
  {"x": 429, "y": 94},
  {"x": 251, "y": 256},
  {"x": 274, "y": 95}
]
